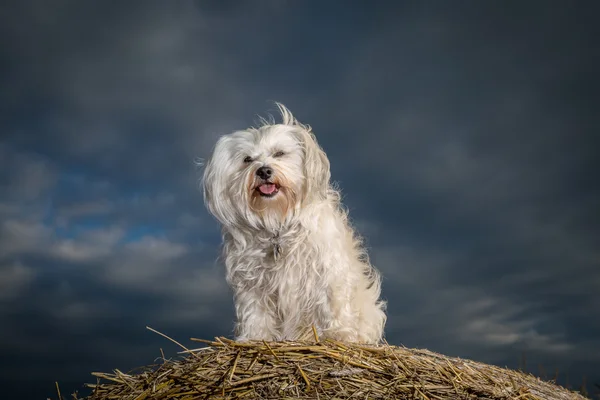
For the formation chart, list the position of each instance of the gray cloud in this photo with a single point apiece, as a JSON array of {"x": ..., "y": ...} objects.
[{"x": 13, "y": 279}]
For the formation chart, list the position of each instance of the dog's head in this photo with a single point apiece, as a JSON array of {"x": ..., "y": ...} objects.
[{"x": 265, "y": 175}]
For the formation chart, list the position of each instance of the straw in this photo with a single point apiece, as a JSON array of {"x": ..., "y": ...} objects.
[{"x": 320, "y": 369}]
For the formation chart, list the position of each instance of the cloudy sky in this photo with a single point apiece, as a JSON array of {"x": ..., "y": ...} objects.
[{"x": 464, "y": 136}]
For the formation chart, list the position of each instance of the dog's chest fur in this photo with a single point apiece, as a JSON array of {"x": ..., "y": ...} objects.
[{"x": 286, "y": 270}]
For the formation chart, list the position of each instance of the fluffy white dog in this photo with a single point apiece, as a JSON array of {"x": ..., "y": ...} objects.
[{"x": 292, "y": 258}]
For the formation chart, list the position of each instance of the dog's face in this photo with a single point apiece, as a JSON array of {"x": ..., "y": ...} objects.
[{"x": 264, "y": 176}]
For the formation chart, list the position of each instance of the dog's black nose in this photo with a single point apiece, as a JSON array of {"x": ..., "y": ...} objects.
[{"x": 264, "y": 172}]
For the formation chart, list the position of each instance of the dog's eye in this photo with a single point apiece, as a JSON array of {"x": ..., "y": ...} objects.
[
  {"x": 248, "y": 159},
  {"x": 278, "y": 154}
]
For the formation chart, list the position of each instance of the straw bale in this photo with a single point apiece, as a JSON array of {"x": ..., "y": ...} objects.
[{"x": 328, "y": 369}]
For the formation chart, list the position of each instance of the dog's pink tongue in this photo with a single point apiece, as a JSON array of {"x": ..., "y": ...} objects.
[{"x": 267, "y": 188}]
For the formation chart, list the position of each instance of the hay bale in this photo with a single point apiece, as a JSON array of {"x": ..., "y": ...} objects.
[{"x": 320, "y": 370}]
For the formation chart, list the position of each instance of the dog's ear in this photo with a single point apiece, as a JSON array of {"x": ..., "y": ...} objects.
[
  {"x": 316, "y": 168},
  {"x": 214, "y": 184},
  {"x": 316, "y": 163}
]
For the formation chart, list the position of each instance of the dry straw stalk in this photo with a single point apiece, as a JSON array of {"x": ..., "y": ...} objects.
[{"x": 327, "y": 369}]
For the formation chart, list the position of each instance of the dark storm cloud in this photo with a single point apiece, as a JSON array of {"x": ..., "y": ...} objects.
[{"x": 463, "y": 139}]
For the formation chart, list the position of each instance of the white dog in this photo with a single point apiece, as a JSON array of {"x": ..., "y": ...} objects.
[{"x": 292, "y": 258}]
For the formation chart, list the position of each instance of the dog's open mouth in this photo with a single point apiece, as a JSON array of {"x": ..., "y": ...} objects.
[{"x": 268, "y": 189}]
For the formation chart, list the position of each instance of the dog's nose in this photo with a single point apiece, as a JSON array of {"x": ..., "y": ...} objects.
[{"x": 264, "y": 172}]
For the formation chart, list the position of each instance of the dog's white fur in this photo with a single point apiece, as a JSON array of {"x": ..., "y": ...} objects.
[{"x": 293, "y": 260}]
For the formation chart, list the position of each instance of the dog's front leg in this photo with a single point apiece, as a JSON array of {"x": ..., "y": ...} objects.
[{"x": 255, "y": 319}]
